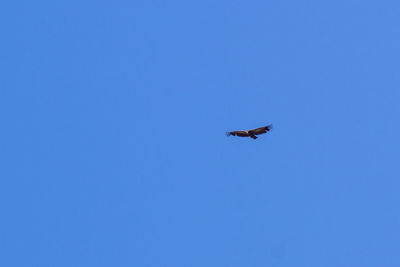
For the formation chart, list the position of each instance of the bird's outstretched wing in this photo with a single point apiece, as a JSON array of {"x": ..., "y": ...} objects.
[
  {"x": 238, "y": 133},
  {"x": 261, "y": 130}
]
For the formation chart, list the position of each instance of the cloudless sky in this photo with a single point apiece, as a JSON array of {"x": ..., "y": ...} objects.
[{"x": 113, "y": 149}]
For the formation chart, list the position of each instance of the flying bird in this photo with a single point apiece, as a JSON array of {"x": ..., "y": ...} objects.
[{"x": 251, "y": 133}]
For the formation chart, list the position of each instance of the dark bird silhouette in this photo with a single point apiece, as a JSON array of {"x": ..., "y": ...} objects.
[{"x": 251, "y": 133}]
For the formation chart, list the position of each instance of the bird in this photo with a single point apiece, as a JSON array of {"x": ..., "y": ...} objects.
[{"x": 251, "y": 133}]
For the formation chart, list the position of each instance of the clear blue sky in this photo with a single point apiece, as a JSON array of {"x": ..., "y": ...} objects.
[{"x": 114, "y": 115}]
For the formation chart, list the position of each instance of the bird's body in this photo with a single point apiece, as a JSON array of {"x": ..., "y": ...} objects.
[{"x": 251, "y": 133}]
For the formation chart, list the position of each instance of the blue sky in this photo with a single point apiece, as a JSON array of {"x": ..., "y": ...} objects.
[{"x": 113, "y": 141}]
